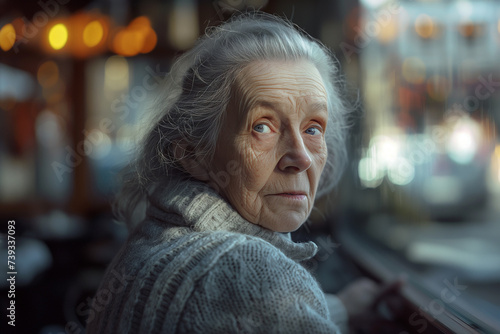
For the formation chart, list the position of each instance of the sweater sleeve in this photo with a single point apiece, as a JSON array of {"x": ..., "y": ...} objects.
[{"x": 255, "y": 288}]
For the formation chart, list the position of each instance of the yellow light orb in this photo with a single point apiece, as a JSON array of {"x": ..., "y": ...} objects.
[
  {"x": 7, "y": 37},
  {"x": 58, "y": 36},
  {"x": 93, "y": 33}
]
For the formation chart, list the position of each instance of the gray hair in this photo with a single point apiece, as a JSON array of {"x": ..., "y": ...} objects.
[{"x": 197, "y": 93}]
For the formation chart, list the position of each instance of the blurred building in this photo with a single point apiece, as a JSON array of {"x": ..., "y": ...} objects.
[{"x": 421, "y": 196}]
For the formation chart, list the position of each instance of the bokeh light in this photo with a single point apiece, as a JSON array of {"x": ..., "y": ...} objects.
[
  {"x": 401, "y": 172},
  {"x": 58, "y": 36},
  {"x": 48, "y": 74},
  {"x": 464, "y": 141},
  {"x": 116, "y": 73},
  {"x": 7, "y": 37},
  {"x": 424, "y": 26},
  {"x": 150, "y": 40},
  {"x": 137, "y": 37},
  {"x": 93, "y": 33},
  {"x": 470, "y": 30},
  {"x": 128, "y": 42},
  {"x": 385, "y": 150}
]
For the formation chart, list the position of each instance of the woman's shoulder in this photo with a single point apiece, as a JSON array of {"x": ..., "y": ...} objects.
[
  {"x": 152, "y": 238},
  {"x": 184, "y": 244},
  {"x": 211, "y": 254},
  {"x": 253, "y": 256},
  {"x": 232, "y": 247},
  {"x": 216, "y": 270},
  {"x": 259, "y": 287}
]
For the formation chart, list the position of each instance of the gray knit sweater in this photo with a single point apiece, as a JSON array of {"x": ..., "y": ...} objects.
[{"x": 194, "y": 265}]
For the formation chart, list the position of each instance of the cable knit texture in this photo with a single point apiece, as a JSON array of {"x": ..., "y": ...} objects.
[{"x": 194, "y": 265}]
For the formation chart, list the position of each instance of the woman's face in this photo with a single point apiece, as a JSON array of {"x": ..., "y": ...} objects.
[{"x": 271, "y": 149}]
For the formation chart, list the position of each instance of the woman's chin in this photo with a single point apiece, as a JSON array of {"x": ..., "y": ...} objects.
[{"x": 285, "y": 222}]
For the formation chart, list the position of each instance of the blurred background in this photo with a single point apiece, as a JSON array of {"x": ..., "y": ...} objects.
[{"x": 421, "y": 195}]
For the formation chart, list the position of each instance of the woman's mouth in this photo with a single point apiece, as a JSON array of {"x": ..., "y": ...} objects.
[{"x": 298, "y": 196}]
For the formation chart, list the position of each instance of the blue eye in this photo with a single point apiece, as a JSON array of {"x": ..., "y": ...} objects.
[
  {"x": 312, "y": 131},
  {"x": 262, "y": 128}
]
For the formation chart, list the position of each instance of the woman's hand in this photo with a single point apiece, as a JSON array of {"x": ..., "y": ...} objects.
[
  {"x": 359, "y": 296},
  {"x": 363, "y": 295},
  {"x": 361, "y": 299}
]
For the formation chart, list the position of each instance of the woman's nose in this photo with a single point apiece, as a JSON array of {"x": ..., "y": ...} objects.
[{"x": 296, "y": 157}]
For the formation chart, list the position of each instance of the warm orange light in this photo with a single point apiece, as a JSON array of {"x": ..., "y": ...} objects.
[
  {"x": 89, "y": 32},
  {"x": 469, "y": 29},
  {"x": 128, "y": 42},
  {"x": 93, "y": 33},
  {"x": 58, "y": 36},
  {"x": 137, "y": 37},
  {"x": 48, "y": 74},
  {"x": 140, "y": 21},
  {"x": 142, "y": 25},
  {"x": 149, "y": 41},
  {"x": 424, "y": 26},
  {"x": 7, "y": 37}
]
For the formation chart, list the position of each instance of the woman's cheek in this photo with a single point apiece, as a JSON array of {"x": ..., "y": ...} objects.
[
  {"x": 319, "y": 151},
  {"x": 263, "y": 142},
  {"x": 256, "y": 161},
  {"x": 253, "y": 161},
  {"x": 316, "y": 144},
  {"x": 263, "y": 147}
]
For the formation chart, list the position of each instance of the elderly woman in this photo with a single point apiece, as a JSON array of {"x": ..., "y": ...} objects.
[{"x": 251, "y": 131}]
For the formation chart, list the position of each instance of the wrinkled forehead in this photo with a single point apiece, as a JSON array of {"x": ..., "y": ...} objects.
[{"x": 274, "y": 82}]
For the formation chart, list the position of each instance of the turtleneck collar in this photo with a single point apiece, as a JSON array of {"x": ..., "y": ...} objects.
[{"x": 202, "y": 209}]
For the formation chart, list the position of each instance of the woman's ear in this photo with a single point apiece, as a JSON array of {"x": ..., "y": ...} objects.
[{"x": 190, "y": 162}]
